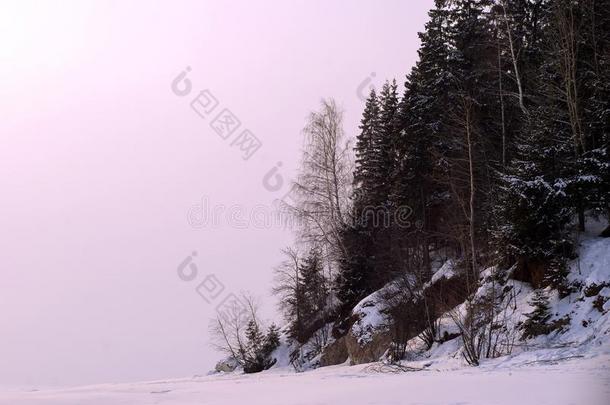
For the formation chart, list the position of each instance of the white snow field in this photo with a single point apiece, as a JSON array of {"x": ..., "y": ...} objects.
[{"x": 570, "y": 382}]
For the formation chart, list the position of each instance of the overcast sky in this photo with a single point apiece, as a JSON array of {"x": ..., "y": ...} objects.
[{"x": 102, "y": 163}]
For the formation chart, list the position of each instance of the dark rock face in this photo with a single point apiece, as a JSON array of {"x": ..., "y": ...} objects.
[
  {"x": 364, "y": 337},
  {"x": 447, "y": 293},
  {"x": 530, "y": 271},
  {"x": 335, "y": 353},
  {"x": 368, "y": 351}
]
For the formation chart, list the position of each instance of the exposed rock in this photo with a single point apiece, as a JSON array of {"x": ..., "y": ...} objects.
[
  {"x": 226, "y": 365},
  {"x": 334, "y": 353},
  {"x": 446, "y": 292},
  {"x": 368, "y": 338},
  {"x": 366, "y": 351},
  {"x": 531, "y": 271}
]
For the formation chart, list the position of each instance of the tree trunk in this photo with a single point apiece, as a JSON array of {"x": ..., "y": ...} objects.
[{"x": 514, "y": 58}]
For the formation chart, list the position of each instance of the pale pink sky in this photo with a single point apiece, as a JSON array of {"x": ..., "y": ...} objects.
[{"x": 100, "y": 163}]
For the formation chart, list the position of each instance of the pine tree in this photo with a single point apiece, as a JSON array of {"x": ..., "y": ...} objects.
[
  {"x": 254, "y": 337},
  {"x": 558, "y": 170},
  {"x": 537, "y": 321},
  {"x": 353, "y": 282},
  {"x": 254, "y": 359},
  {"x": 272, "y": 340},
  {"x": 365, "y": 170},
  {"x": 557, "y": 276},
  {"x": 467, "y": 143},
  {"x": 533, "y": 207},
  {"x": 314, "y": 287},
  {"x": 384, "y": 145},
  {"x": 421, "y": 121},
  {"x": 259, "y": 347},
  {"x": 374, "y": 152},
  {"x": 504, "y": 125},
  {"x": 375, "y": 147}
]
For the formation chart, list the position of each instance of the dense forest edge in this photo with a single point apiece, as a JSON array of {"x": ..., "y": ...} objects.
[{"x": 488, "y": 175}]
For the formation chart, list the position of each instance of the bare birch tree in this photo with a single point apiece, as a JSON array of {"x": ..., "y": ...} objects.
[
  {"x": 323, "y": 185},
  {"x": 514, "y": 56},
  {"x": 287, "y": 287}
]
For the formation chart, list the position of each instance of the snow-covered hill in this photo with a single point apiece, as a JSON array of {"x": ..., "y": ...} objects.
[{"x": 584, "y": 314}]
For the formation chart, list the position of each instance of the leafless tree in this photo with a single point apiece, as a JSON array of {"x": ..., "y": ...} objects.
[
  {"x": 471, "y": 327},
  {"x": 513, "y": 54},
  {"x": 485, "y": 320},
  {"x": 464, "y": 177},
  {"x": 402, "y": 301},
  {"x": 323, "y": 185},
  {"x": 228, "y": 329},
  {"x": 568, "y": 31},
  {"x": 287, "y": 288}
]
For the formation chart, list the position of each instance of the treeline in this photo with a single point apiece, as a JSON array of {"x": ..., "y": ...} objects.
[
  {"x": 492, "y": 156},
  {"x": 498, "y": 144}
]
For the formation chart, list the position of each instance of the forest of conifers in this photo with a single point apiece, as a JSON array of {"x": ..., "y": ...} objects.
[{"x": 493, "y": 156}]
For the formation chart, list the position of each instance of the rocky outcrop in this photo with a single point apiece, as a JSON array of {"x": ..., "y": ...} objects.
[
  {"x": 369, "y": 337},
  {"x": 531, "y": 271},
  {"x": 226, "y": 365},
  {"x": 366, "y": 351},
  {"x": 334, "y": 353},
  {"x": 365, "y": 336}
]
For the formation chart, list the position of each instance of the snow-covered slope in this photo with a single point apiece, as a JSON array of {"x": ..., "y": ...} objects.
[{"x": 586, "y": 312}]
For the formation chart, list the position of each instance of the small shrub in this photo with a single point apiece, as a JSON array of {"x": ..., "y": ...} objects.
[
  {"x": 599, "y": 302},
  {"x": 556, "y": 277},
  {"x": 594, "y": 289},
  {"x": 559, "y": 325}
]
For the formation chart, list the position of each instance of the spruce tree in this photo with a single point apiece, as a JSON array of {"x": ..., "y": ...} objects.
[
  {"x": 365, "y": 172},
  {"x": 421, "y": 146},
  {"x": 254, "y": 359},
  {"x": 538, "y": 194},
  {"x": 537, "y": 321},
  {"x": 259, "y": 347},
  {"x": 270, "y": 343},
  {"x": 314, "y": 286},
  {"x": 354, "y": 279},
  {"x": 383, "y": 158}
]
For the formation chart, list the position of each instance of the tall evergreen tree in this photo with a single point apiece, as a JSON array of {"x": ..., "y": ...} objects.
[
  {"x": 314, "y": 287},
  {"x": 365, "y": 172}
]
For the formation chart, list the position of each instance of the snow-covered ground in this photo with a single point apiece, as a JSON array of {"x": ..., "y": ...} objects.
[{"x": 572, "y": 382}]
